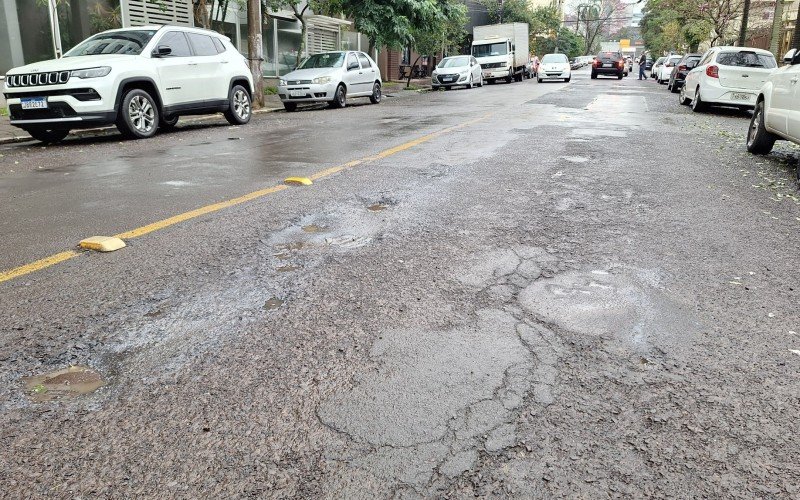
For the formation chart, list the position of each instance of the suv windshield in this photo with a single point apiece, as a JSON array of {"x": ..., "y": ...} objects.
[
  {"x": 326, "y": 60},
  {"x": 746, "y": 59},
  {"x": 554, "y": 58},
  {"x": 490, "y": 49},
  {"x": 452, "y": 62},
  {"x": 129, "y": 42}
]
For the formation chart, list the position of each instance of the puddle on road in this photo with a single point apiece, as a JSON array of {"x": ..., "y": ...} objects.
[
  {"x": 273, "y": 303},
  {"x": 313, "y": 228},
  {"x": 62, "y": 384},
  {"x": 376, "y": 207}
]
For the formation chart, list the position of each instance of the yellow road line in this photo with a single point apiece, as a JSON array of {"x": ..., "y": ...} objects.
[
  {"x": 37, "y": 266},
  {"x": 214, "y": 207}
]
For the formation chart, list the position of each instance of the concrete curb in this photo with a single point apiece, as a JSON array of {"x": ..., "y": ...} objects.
[{"x": 103, "y": 130}]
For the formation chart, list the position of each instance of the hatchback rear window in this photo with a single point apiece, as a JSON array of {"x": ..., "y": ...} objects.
[
  {"x": 746, "y": 59},
  {"x": 609, "y": 55}
]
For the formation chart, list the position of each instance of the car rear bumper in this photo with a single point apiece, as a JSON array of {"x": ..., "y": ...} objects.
[
  {"x": 728, "y": 96},
  {"x": 607, "y": 71}
]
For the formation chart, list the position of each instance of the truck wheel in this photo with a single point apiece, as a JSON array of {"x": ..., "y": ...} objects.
[
  {"x": 47, "y": 136},
  {"x": 137, "y": 117},
  {"x": 510, "y": 77},
  {"x": 759, "y": 140}
]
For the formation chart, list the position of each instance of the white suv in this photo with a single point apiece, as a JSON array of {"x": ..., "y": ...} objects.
[
  {"x": 777, "y": 112},
  {"x": 140, "y": 79}
]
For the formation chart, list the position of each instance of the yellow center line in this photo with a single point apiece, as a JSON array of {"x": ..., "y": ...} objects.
[{"x": 215, "y": 207}]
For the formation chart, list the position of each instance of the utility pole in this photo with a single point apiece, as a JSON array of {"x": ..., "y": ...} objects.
[
  {"x": 745, "y": 18},
  {"x": 255, "y": 50},
  {"x": 502, "y": 6}
]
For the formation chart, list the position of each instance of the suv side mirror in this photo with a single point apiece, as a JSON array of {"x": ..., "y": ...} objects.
[
  {"x": 161, "y": 51},
  {"x": 790, "y": 57}
]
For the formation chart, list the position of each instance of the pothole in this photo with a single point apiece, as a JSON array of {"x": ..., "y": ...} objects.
[
  {"x": 377, "y": 207},
  {"x": 313, "y": 228},
  {"x": 66, "y": 383},
  {"x": 273, "y": 303}
]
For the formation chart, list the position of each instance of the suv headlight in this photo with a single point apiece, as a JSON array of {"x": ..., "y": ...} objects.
[
  {"x": 91, "y": 72},
  {"x": 320, "y": 80},
  {"x": 282, "y": 83}
]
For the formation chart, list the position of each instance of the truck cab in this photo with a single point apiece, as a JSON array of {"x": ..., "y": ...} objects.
[{"x": 496, "y": 57}]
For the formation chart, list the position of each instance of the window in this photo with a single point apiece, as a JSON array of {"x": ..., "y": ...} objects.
[
  {"x": 351, "y": 59},
  {"x": 406, "y": 56},
  {"x": 326, "y": 60},
  {"x": 203, "y": 45},
  {"x": 746, "y": 59},
  {"x": 176, "y": 40},
  {"x": 219, "y": 45},
  {"x": 490, "y": 49},
  {"x": 706, "y": 58},
  {"x": 554, "y": 58},
  {"x": 364, "y": 61}
]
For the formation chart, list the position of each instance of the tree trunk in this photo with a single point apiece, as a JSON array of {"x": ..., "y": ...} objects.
[
  {"x": 255, "y": 50},
  {"x": 411, "y": 71},
  {"x": 745, "y": 18},
  {"x": 777, "y": 24},
  {"x": 301, "y": 52}
]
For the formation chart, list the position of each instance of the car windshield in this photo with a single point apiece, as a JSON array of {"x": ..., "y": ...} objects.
[
  {"x": 746, "y": 59},
  {"x": 129, "y": 42},
  {"x": 554, "y": 58},
  {"x": 452, "y": 62},
  {"x": 326, "y": 60},
  {"x": 490, "y": 49}
]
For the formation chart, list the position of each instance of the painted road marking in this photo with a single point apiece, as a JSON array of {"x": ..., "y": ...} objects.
[{"x": 215, "y": 207}]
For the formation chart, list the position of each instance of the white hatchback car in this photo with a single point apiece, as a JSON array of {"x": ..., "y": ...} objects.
[
  {"x": 554, "y": 67},
  {"x": 331, "y": 77},
  {"x": 665, "y": 70},
  {"x": 777, "y": 111},
  {"x": 727, "y": 76},
  {"x": 457, "y": 71}
]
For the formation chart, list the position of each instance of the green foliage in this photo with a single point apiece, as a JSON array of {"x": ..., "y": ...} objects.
[
  {"x": 565, "y": 41},
  {"x": 680, "y": 25}
]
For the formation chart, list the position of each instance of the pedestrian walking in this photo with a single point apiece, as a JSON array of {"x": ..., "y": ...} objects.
[{"x": 642, "y": 64}]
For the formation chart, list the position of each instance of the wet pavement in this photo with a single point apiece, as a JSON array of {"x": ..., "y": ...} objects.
[{"x": 568, "y": 290}]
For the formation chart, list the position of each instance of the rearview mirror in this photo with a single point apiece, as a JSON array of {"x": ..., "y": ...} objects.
[
  {"x": 352, "y": 65},
  {"x": 790, "y": 56},
  {"x": 161, "y": 51}
]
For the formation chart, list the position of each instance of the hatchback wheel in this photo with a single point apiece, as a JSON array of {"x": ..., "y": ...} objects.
[
  {"x": 290, "y": 106},
  {"x": 137, "y": 117},
  {"x": 340, "y": 98},
  {"x": 697, "y": 104},
  {"x": 376, "y": 96},
  {"x": 759, "y": 140},
  {"x": 239, "y": 107},
  {"x": 682, "y": 99}
]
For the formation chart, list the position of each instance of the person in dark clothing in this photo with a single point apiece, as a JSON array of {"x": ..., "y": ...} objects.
[{"x": 642, "y": 64}]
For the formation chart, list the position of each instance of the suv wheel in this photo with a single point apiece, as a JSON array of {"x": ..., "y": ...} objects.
[
  {"x": 137, "y": 116},
  {"x": 759, "y": 140},
  {"x": 239, "y": 107},
  {"x": 375, "y": 98},
  {"x": 47, "y": 136},
  {"x": 339, "y": 98}
]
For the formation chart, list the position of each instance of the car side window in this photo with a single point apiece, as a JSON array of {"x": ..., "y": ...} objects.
[
  {"x": 364, "y": 61},
  {"x": 219, "y": 45},
  {"x": 203, "y": 44},
  {"x": 352, "y": 59},
  {"x": 176, "y": 41},
  {"x": 706, "y": 58}
]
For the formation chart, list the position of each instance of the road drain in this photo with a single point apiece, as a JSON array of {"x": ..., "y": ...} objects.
[{"x": 62, "y": 384}]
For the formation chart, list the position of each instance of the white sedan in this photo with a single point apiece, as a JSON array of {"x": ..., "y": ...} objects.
[
  {"x": 727, "y": 76},
  {"x": 777, "y": 111},
  {"x": 457, "y": 71},
  {"x": 665, "y": 71},
  {"x": 554, "y": 67}
]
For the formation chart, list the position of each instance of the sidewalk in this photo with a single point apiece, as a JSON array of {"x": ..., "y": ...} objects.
[{"x": 9, "y": 133}]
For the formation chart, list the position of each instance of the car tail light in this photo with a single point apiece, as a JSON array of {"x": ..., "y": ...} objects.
[
  {"x": 712, "y": 71},
  {"x": 621, "y": 63},
  {"x": 682, "y": 67}
]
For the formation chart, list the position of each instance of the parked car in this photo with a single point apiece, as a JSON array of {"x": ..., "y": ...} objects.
[
  {"x": 140, "y": 79},
  {"x": 554, "y": 67},
  {"x": 457, "y": 71},
  {"x": 656, "y": 67},
  {"x": 648, "y": 65},
  {"x": 681, "y": 69},
  {"x": 777, "y": 108},
  {"x": 331, "y": 77},
  {"x": 665, "y": 70},
  {"x": 609, "y": 63},
  {"x": 727, "y": 76}
]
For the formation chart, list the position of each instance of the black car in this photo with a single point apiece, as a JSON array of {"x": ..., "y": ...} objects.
[
  {"x": 609, "y": 63},
  {"x": 680, "y": 70},
  {"x": 648, "y": 64}
]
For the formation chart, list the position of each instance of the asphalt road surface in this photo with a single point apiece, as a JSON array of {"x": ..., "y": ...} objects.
[{"x": 525, "y": 290}]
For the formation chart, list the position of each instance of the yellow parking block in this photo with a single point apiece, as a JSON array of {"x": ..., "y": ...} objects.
[
  {"x": 301, "y": 181},
  {"x": 102, "y": 243}
]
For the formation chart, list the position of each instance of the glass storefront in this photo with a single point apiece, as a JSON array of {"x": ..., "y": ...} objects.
[{"x": 289, "y": 36}]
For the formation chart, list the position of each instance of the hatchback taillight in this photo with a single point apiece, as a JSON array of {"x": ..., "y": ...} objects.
[
  {"x": 621, "y": 63},
  {"x": 712, "y": 71},
  {"x": 682, "y": 67}
]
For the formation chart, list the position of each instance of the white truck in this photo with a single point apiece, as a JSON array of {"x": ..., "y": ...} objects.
[{"x": 502, "y": 51}]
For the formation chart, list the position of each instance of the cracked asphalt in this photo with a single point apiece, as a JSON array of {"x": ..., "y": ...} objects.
[{"x": 588, "y": 292}]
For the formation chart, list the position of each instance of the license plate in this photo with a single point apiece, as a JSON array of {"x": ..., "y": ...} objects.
[
  {"x": 737, "y": 96},
  {"x": 34, "y": 102},
  {"x": 448, "y": 79},
  {"x": 608, "y": 65},
  {"x": 297, "y": 93}
]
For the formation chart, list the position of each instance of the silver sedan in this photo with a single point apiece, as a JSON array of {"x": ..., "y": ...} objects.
[
  {"x": 457, "y": 71},
  {"x": 331, "y": 77}
]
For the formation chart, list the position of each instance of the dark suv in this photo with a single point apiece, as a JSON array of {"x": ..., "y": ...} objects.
[
  {"x": 609, "y": 63},
  {"x": 680, "y": 70}
]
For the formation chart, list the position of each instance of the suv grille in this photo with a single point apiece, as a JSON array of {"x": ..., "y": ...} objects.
[{"x": 37, "y": 79}]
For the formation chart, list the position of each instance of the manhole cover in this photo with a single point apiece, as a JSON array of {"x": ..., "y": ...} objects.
[{"x": 62, "y": 384}]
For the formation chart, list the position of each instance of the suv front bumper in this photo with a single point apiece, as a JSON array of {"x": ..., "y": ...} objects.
[{"x": 78, "y": 103}]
